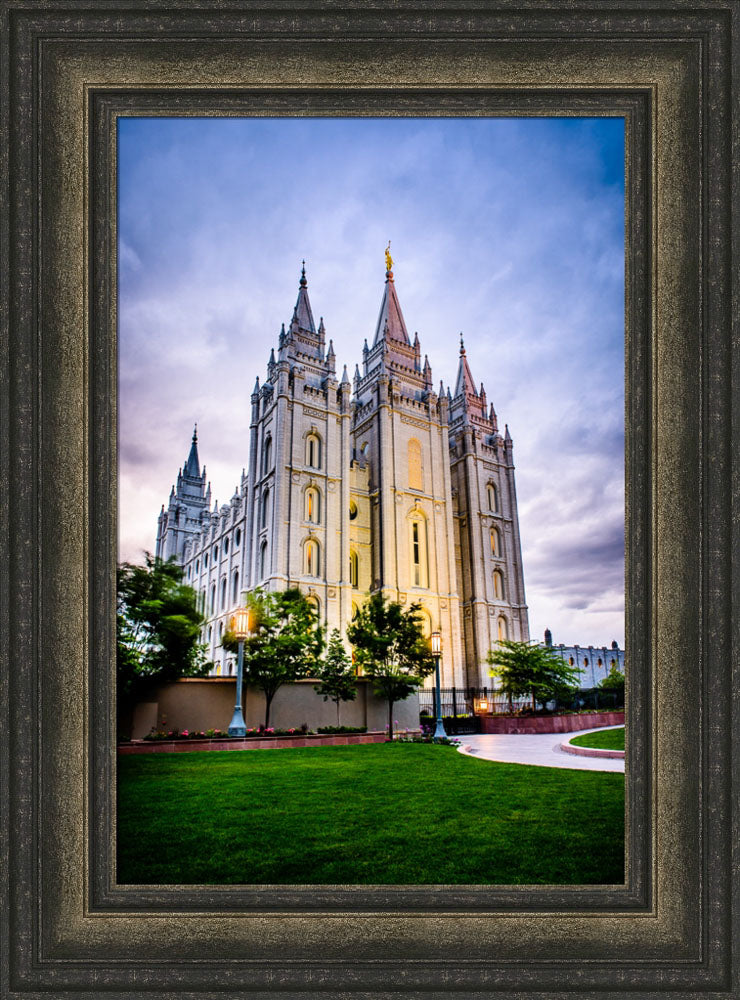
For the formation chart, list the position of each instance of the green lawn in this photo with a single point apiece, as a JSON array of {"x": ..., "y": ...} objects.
[
  {"x": 607, "y": 739},
  {"x": 389, "y": 813}
]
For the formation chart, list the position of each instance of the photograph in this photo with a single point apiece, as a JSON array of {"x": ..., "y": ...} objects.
[{"x": 371, "y": 501}]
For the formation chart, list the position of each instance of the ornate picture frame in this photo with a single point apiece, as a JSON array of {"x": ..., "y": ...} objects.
[{"x": 68, "y": 72}]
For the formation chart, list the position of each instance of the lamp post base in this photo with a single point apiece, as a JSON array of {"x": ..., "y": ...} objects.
[
  {"x": 439, "y": 732},
  {"x": 237, "y": 726}
]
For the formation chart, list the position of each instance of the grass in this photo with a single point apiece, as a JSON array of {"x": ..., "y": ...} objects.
[
  {"x": 607, "y": 739},
  {"x": 389, "y": 813}
]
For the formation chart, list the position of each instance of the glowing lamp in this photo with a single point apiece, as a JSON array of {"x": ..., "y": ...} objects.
[
  {"x": 240, "y": 624},
  {"x": 436, "y": 643}
]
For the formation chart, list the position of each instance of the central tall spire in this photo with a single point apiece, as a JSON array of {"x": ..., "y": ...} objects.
[{"x": 391, "y": 325}]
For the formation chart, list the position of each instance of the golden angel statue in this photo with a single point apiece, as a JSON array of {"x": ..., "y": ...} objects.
[{"x": 388, "y": 258}]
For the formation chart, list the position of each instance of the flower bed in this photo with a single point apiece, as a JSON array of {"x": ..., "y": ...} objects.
[{"x": 191, "y": 744}]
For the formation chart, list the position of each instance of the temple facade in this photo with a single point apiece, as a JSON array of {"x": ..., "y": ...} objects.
[{"x": 379, "y": 483}]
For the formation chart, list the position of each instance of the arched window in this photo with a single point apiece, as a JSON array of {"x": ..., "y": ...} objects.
[
  {"x": 265, "y": 508},
  {"x": 418, "y": 552},
  {"x": 226, "y": 545},
  {"x": 210, "y": 632},
  {"x": 492, "y": 498},
  {"x": 353, "y": 569},
  {"x": 205, "y": 559},
  {"x": 495, "y": 542},
  {"x": 238, "y": 537},
  {"x": 355, "y": 611},
  {"x": 313, "y": 451},
  {"x": 267, "y": 454},
  {"x": 223, "y": 593},
  {"x": 263, "y": 560},
  {"x": 220, "y": 632},
  {"x": 612, "y": 664},
  {"x": 218, "y": 669},
  {"x": 416, "y": 475},
  {"x": 352, "y": 510},
  {"x": 599, "y": 663},
  {"x": 503, "y": 628},
  {"x": 313, "y": 505},
  {"x": 571, "y": 661},
  {"x": 197, "y": 565},
  {"x": 585, "y": 661},
  {"x": 215, "y": 553},
  {"x": 235, "y": 587},
  {"x": 498, "y": 585},
  {"x": 189, "y": 572},
  {"x": 311, "y": 557},
  {"x": 213, "y": 599}
]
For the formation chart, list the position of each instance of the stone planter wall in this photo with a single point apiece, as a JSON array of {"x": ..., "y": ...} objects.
[
  {"x": 549, "y": 723},
  {"x": 254, "y": 743}
]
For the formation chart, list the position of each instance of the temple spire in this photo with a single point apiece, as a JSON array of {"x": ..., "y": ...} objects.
[
  {"x": 464, "y": 384},
  {"x": 390, "y": 325},
  {"x": 192, "y": 466},
  {"x": 302, "y": 315}
]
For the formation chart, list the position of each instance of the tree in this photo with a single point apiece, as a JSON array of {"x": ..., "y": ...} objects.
[
  {"x": 158, "y": 625},
  {"x": 614, "y": 681},
  {"x": 391, "y": 649},
  {"x": 285, "y": 644},
  {"x": 337, "y": 676},
  {"x": 529, "y": 669}
]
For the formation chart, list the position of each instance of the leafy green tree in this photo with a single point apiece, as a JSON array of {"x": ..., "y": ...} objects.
[
  {"x": 391, "y": 649},
  {"x": 336, "y": 673},
  {"x": 158, "y": 626},
  {"x": 529, "y": 669},
  {"x": 614, "y": 681},
  {"x": 285, "y": 644}
]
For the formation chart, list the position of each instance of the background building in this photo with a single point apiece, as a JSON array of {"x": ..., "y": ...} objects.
[{"x": 379, "y": 484}]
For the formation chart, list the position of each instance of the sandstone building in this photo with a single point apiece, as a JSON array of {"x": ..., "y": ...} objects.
[{"x": 379, "y": 483}]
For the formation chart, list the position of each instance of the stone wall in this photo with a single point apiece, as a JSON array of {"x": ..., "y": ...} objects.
[{"x": 208, "y": 703}]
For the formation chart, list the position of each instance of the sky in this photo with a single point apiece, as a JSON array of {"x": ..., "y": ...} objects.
[{"x": 509, "y": 231}]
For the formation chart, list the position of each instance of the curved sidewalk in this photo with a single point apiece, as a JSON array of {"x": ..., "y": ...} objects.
[{"x": 540, "y": 750}]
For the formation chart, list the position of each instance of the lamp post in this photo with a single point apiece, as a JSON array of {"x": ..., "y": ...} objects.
[
  {"x": 439, "y": 732},
  {"x": 240, "y": 629}
]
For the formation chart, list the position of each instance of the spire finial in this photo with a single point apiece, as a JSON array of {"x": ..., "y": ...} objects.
[
  {"x": 195, "y": 433},
  {"x": 462, "y": 345},
  {"x": 388, "y": 260},
  {"x": 303, "y": 281}
]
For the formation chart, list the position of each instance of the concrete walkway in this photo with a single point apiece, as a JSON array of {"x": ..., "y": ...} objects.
[{"x": 542, "y": 750}]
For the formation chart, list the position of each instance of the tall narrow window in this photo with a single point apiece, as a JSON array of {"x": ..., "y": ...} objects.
[
  {"x": 313, "y": 505},
  {"x": 235, "y": 587},
  {"x": 498, "y": 585},
  {"x": 416, "y": 477},
  {"x": 267, "y": 455},
  {"x": 495, "y": 542},
  {"x": 353, "y": 569},
  {"x": 238, "y": 537},
  {"x": 213, "y": 599},
  {"x": 492, "y": 498},
  {"x": 263, "y": 560},
  {"x": 313, "y": 451},
  {"x": 265, "y": 507},
  {"x": 312, "y": 557},
  {"x": 503, "y": 629},
  {"x": 313, "y": 601},
  {"x": 418, "y": 552},
  {"x": 223, "y": 593}
]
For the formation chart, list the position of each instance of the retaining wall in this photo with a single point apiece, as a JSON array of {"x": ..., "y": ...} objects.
[{"x": 549, "y": 723}]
